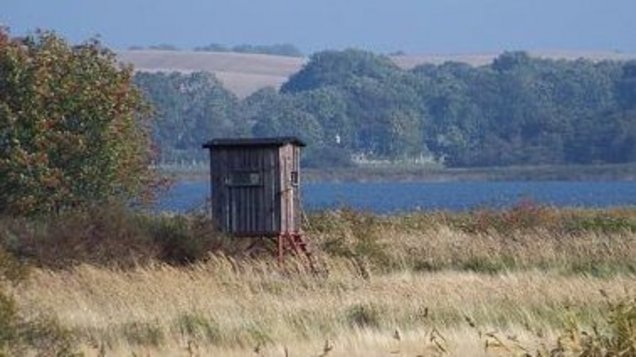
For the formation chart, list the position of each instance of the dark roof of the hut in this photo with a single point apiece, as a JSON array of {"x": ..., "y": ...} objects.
[{"x": 278, "y": 141}]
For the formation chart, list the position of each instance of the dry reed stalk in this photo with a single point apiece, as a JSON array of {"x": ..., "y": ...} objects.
[{"x": 225, "y": 305}]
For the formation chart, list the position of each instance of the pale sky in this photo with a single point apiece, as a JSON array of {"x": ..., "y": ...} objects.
[{"x": 414, "y": 26}]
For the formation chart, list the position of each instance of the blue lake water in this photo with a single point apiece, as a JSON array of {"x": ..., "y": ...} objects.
[{"x": 453, "y": 196}]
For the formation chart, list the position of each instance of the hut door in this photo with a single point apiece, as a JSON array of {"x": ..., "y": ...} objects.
[{"x": 241, "y": 200}]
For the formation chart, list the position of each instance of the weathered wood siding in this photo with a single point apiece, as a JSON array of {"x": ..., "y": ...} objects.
[
  {"x": 255, "y": 185},
  {"x": 297, "y": 201},
  {"x": 290, "y": 192},
  {"x": 246, "y": 209}
]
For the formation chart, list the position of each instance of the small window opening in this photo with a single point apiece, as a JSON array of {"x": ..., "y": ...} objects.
[
  {"x": 294, "y": 178},
  {"x": 243, "y": 178}
]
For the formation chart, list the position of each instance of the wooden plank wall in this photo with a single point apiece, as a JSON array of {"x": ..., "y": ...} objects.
[
  {"x": 290, "y": 194},
  {"x": 284, "y": 194},
  {"x": 246, "y": 210},
  {"x": 296, "y": 189}
]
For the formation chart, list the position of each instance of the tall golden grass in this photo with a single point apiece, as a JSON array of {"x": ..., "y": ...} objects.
[
  {"x": 524, "y": 281},
  {"x": 229, "y": 306},
  {"x": 226, "y": 307},
  {"x": 524, "y": 237}
]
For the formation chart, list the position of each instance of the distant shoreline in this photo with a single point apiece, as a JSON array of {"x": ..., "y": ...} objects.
[{"x": 605, "y": 172}]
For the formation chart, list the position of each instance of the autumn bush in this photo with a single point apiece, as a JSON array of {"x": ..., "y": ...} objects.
[
  {"x": 73, "y": 127},
  {"x": 110, "y": 235},
  {"x": 527, "y": 215}
]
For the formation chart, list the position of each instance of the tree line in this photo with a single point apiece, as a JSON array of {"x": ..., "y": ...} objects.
[
  {"x": 519, "y": 110},
  {"x": 279, "y": 49},
  {"x": 75, "y": 126}
]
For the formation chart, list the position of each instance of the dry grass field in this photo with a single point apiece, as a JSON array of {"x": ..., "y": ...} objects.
[
  {"x": 222, "y": 307},
  {"x": 244, "y": 73},
  {"x": 241, "y": 73},
  {"x": 488, "y": 283}
]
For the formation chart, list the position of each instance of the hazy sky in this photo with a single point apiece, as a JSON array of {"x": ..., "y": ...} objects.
[{"x": 415, "y": 26}]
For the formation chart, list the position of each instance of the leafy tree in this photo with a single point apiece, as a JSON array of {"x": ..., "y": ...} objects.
[
  {"x": 326, "y": 156},
  {"x": 626, "y": 86},
  {"x": 337, "y": 67},
  {"x": 280, "y": 116},
  {"x": 454, "y": 117},
  {"x": 189, "y": 110},
  {"x": 508, "y": 61},
  {"x": 329, "y": 107},
  {"x": 72, "y": 126},
  {"x": 519, "y": 110}
]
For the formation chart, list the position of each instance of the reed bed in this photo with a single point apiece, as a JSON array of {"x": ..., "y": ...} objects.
[
  {"x": 528, "y": 280},
  {"x": 525, "y": 237},
  {"x": 232, "y": 307}
]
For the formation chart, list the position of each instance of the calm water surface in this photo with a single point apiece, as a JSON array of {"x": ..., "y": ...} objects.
[{"x": 454, "y": 196}]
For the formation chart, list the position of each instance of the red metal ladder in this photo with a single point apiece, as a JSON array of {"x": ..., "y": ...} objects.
[{"x": 294, "y": 243}]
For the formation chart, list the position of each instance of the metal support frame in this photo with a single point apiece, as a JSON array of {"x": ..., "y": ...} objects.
[
  {"x": 286, "y": 243},
  {"x": 296, "y": 244}
]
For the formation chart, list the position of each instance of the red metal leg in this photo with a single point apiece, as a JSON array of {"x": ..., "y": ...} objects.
[
  {"x": 296, "y": 244},
  {"x": 280, "y": 243}
]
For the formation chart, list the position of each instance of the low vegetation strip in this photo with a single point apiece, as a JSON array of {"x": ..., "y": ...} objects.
[
  {"x": 488, "y": 242},
  {"x": 422, "y": 173},
  {"x": 526, "y": 236},
  {"x": 200, "y": 171}
]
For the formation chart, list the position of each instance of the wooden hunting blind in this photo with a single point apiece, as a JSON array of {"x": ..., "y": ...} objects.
[{"x": 255, "y": 189}]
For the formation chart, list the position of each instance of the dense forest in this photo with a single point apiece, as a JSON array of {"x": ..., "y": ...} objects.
[{"x": 354, "y": 105}]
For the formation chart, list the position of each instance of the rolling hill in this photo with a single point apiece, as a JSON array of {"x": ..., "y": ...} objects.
[{"x": 245, "y": 73}]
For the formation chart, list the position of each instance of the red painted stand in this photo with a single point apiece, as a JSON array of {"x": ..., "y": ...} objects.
[{"x": 296, "y": 244}]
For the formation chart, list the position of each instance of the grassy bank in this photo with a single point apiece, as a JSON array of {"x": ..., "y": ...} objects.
[
  {"x": 415, "y": 173},
  {"x": 529, "y": 279},
  {"x": 525, "y": 236},
  {"x": 606, "y": 172}
]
